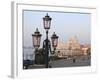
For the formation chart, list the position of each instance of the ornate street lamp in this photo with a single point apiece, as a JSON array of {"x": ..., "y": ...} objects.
[
  {"x": 46, "y": 43},
  {"x": 47, "y": 21},
  {"x": 36, "y": 39}
]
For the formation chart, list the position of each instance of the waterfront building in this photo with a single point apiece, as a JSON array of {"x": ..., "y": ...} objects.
[{"x": 71, "y": 48}]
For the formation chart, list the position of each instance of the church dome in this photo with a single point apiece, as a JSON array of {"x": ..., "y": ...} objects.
[{"x": 73, "y": 43}]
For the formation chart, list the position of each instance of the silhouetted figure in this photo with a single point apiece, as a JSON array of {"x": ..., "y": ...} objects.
[
  {"x": 50, "y": 66},
  {"x": 74, "y": 60}
]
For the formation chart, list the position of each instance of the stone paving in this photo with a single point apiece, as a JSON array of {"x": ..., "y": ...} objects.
[{"x": 83, "y": 61}]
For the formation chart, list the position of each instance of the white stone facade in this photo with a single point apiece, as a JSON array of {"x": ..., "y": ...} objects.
[{"x": 71, "y": 48}]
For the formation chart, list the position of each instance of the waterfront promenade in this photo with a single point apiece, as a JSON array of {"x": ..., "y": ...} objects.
[
  {"x": 60, "y": 63},
  {"x": 82, "y": 61}
]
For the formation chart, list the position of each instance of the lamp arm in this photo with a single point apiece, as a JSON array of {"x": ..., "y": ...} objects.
[
  {"x": 50, "y": 47},
  {"x": 43, "y": 45}
]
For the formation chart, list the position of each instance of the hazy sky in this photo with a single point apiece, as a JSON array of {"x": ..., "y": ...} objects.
[{"x": 65, "y": 25}]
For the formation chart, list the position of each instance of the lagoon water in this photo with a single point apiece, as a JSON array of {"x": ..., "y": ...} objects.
[{"x": 28, "y": 53}]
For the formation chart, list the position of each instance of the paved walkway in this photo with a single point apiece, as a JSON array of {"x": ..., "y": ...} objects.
[
  {"x": 83, "y": 61},
  {"x": 36, "y": 66}
]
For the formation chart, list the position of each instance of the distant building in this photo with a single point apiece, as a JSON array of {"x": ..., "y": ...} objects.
[
  {"x": 86, "y": 49},
  {"x": 73, "y": 43},
  {"x": 71, "y": 48}
]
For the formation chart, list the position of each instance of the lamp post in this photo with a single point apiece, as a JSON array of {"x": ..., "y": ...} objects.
[{"x": 46, "y": 43}]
